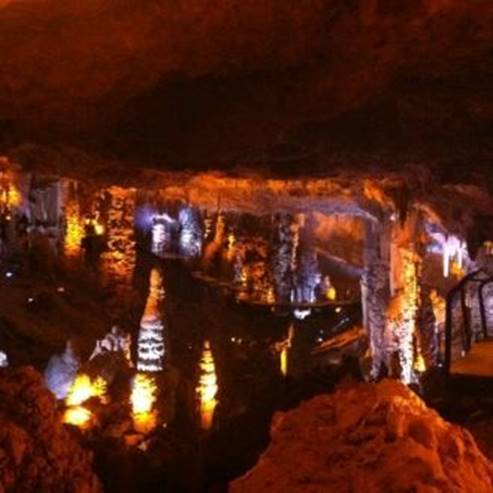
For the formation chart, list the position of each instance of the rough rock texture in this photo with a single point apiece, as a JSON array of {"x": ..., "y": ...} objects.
[
  {"x": 368, "y": 438},
  {"x": 226, "y": 80},
  {"x": 36, "y": 452},
  {"x": 61, "y": 371}
]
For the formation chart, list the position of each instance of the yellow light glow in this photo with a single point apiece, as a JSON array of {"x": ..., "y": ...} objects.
[
  {"x": 420, "y": 364},
  {"x": 284, "y": 361},
  {"x": 98, "y": 228},
  {"x": 83, "y": 389},
  {"x": 78, "y": 416},
  {"x": 74, "y": 231},
  {"x": 207, "y": 387},
  {"x": 270, "y": 297},
  {"x": 457, "y": 270},
  {"x": 142, "y": 399},
  {"x": 331, "y": 293}
]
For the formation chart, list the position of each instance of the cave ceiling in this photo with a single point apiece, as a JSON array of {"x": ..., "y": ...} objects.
[{"x": 189, "y": 83}]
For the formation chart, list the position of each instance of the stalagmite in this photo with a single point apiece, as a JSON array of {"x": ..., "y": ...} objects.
[
  {"x": 161, "y": 234},
  {"x": 207, "y": 387},
  {"x": 151, "y": 349},
  {"x": 190, "y": 243},
  {"x": 115, "y": 341},
  {"x": 61, "y": 371},
  {"x": 217, "y": 243},
  {"x": 142, "y": 399}
]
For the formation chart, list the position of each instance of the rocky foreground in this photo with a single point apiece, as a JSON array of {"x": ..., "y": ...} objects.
[
  {"x": 368, "y": 438},
  {"x": 36, "y": 452}
]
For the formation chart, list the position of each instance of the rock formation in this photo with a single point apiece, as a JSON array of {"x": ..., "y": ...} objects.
[
  {"x": 37, "y": 453},
  {"x": 61, "y": 371},
  {"x": 151, "y": 350},
  {"x": 374, "y": 438},
  {"x": 115, "y": 341}
]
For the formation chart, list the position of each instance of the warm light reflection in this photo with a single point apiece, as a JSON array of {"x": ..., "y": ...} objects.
[
  {"x": 10, "y": 197},
  {"x": 331, "y": 293},
  {"x": 419, "y": 364},
  {"x": 84, "y": 388},
  {"x": 142, "y": 399},
  {"x": 230, "y": 249},
  {"x": 78, "y": 416},
  {"x": 74, "y": 232},
  {"x": 283, "y": 347},
  {"x": 207, "y": 387}
]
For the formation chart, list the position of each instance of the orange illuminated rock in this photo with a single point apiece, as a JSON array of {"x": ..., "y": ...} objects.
[
  {"x": 37, "y": 453},
  {"x": 371, "y": 438}
]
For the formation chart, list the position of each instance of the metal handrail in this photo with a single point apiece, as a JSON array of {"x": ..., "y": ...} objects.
[
  {"x": 482, "y": 311},
  {"x": 466, "y": 334}
]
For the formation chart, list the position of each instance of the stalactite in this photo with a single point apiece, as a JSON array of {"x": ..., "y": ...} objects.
[{"x": 151, "y": 345}]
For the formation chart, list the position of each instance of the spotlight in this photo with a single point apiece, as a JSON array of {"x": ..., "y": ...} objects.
[{"x": 9, "y": 274}]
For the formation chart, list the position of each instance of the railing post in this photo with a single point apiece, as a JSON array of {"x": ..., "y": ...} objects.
[{"x": 482, "y": 310}]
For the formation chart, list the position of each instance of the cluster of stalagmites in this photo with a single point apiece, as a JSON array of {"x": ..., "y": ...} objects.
[
  {"x": 36, "y": 452},
  {"x": 371, "y": 438}
]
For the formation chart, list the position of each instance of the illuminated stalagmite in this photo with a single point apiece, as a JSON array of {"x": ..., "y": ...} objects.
[
  {"x": 162, "y": 225},
  {"x": 151, "y": 349},
  {"x": 74, "y": 226},
  {"x": 115, "y": 341},
  {"x": 190, "y": 243},
  {"x": 207, "y": 387},
  {"x": 142, "y": 399},
  {"x": 215, "y": 246},
  {"x": 391, "y": 295},
  {"x": 61, "y": 371}
]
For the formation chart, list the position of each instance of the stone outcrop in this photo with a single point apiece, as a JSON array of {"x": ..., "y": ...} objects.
[
  {"x": 61, "y": 371},
  {"x": 374, "y": 438},
  {"x": 36, "y": 453}
]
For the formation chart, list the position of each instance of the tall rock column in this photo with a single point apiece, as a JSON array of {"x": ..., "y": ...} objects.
[
  {"x": 151, "y": 345},
  {"x": 375, "y": 291},
  {"x": 402, "y": 339}
]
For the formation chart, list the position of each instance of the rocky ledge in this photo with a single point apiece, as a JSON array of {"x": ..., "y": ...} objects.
[
  {"x": 368, "y": 438},
  {"x": 36, "y": 452}
]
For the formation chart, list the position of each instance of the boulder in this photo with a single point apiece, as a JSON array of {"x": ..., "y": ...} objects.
[
  {"x": 37, "y": 454},
  {"x": 370, "y": 438}
]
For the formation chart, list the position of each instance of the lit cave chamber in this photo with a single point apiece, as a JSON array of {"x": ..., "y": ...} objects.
[{"x": 173, "y": 315}]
